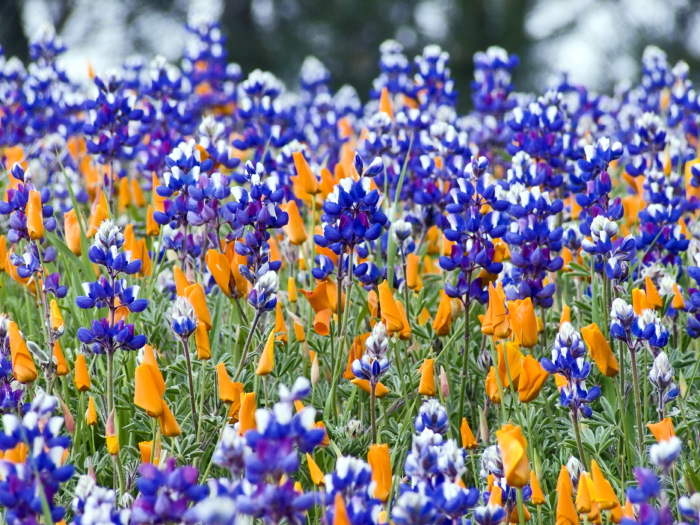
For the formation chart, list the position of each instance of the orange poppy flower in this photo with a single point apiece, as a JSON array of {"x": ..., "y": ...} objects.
[
  {"x": 35, "y": 218},
  {"x": 168, "y": 423},
  {"x": 247, "y": 413},
  {"x": 295, "y": 230},
  {"x": 427, "y": 378},
  {"x": 495, "y": 321},
  {"x": 267, "y": 357},
  {"x": 566, "y": 511},
  {"x": 71, "y": 231},
  {"x": 280, "y": 326},
  {"x": 195, "y": 294},
  {"x": 81, "y": 376},
  {"x": 91, "y": 414},
  {"x": 314, "y": 471},
  {"x": 513, "y": 447},
  {"x": 149, "y": 389},
  {"x": 443, "y": 317},
  {"x": 663, "y": 430},
  {"x": 602, "y": 493},
  {"x": 654, "y": 299},
  {"x": 468, "y": 439},
  {"x": 61, "y": 364},
  {"x": 152, "y": 227},
  {"x": 389, "y": 312},
  {"x": 201, "y": 338},
  {"x": 380, "y": 390},
  {"x": 537, "y": 497},
  {"x": 523, "y": 322},
  {"x": 305, "y": 177},
  {"x": 531, "y": 380},
  {"x": 379, "y": 459},
  {"x": 600, "y": 350}
]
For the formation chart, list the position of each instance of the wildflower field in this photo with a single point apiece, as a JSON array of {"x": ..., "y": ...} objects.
[{"x": 226, "y": 301}]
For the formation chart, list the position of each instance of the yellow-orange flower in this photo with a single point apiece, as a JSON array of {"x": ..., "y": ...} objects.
[
  {"x": 295, "y": 230},
  {"x": 510, "y": 364},
  {"x": 292, "y": 290},
  {"x": 583, "y": 498},
  {"x": 340, "y": 514},
  {"x": 639, "y": 301},
  {"x": 468, "y": 439},
  {"x": 531, "y": 380},
  {"x": 496, "y": 319},
  {"x": 523, "y": 322},
  {"x": 35, "y": 220},
  {"x": 412, "y": 277},
  {"x": 663, "y": 430},
  {"x": 516, "y": 466},
  {"x": 389, "y": 312},
  {"x": 492, "y": 386},
  {"x": 427, "y": 378},
  {"x": 195, "y": 294},
  {"x": 602, "y": 493},
  {"x": 314, "y": 471},
  {"x": 22, "y": 362},
  {"x": 201, "y": 338},
  {"x": 246, "y": 416},
  {"x": 305, "y": 177},
  {"x": 71, "y": 232},
  {"x": 61, "y": 364},
  {"x": 81, "y": 376},
  {"x": 379, "y": 459},
  {"x": 56, "y": 318},
  {"x": 280, "y": 326},
  {"x": 600, "y": 350},
  {"x": 654, "y": 299},
  {"x": 443, "y": 317},
  {"x": 267, "y": 357},
  {"x": 566, "y": 512},
  {"x": 152, "y": 227},
  {"x": 168, "y": 423},
  {"x": 91, "y": 414},
  {"x": 111, "y": 435},
  {"x": 220, "y": 269},
  {"x": 537, "y": 494},
  {"x": 149, "y": 389},
  {"x": 380, "y": 390}
]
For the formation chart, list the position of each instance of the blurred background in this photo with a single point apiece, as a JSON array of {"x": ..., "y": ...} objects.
[{"x": 598, "y": 42}]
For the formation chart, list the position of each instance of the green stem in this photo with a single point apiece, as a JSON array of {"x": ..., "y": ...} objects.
[
  {"x": 521, "y": 508},
  {"x": 246, "y": 348},
  {"x": 465, "y": 356},
  {"x": 373, "y": 414},
  {"x": 577, "y": 433},
  {"x": 637, "y": 402},
  {"x": 190, "y": 383},
  {"x": 200, "y": 408}
]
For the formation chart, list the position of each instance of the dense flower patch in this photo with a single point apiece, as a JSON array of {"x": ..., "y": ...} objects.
[{"x": 229, "y": 302}]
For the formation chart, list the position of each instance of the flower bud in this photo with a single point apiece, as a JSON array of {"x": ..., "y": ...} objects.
[
  {"x": 483, "y": 426},
  {"x": 315, "y": 371},
  {"x": 68, "y": 419},
  {"x": 444, "y": 384}
]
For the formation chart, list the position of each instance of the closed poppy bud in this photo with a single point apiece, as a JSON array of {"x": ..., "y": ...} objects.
[
  {"x": 56, "y": 318},
  {"x": 305, "y": 176},
  {"x": 315, "y": 375},
  {"x": 280, "y": 326},
  {"x": 223, "y": 381},
  {"x": 523, "y": 322},
  {"x": 91, "y": 414},
  {"x": 678, "y": 301},
  {"x": 71, "y": 232},
  {"x": 566, "y": 512},
  {"x": 654, "y": 299},
  {"x": 168, "y": 423},
  {"x": 468, "y": 439},
  {"x": 513, "y": 447},
  {"x": 299, "y": 331},
  {"x": 443, "y": 317},
  {"x": 340, "y": 514},
  {"x": 195, "y": 294},
  {"x": 35, "y": 219},
  {"x": 292, "y": 290},
  {"x": 314, "y": 471},
  {"x": 152, "y": 227},
  {"x": 537, "y": 497},
  {"x": 444, "y": 383},
  {"x": 295, "y": 225},
  {"x": 202, "y": 339},
  {"x": 603, "y": 493},
  {"x": 600, "y": 350},
  {"x": 391, "y": 316},
  {"x": 496, "y": 319},
  {"x": 81, "y": 376},
  {"x": 68, "y": 418},
  {"x": 60, "y": 360},
  {"x": 247, "y": 414},
  {"x": 23, "y": 366},
  {"x": 111, "y": 435},
  {"x": 427, "y": 379},
  {"x": 639, "y": 301},
  {"x": 483, "y": 426},
  {"x": 412, "y": 278},
  {"x": 663, "y": 430},
  {"x": 492, "y": 387},
  {"x": 124, "y": 198},
  {"x": 532, "y": 378},
  {"x": 148, "y": 389},
  {"x": 379, "y": 459},
  {"x": 583, "y": 499},
  {"x": 380, "y": 390},
  {"x": 267, "y": 357},
  {"x": 565, "y": 315}
]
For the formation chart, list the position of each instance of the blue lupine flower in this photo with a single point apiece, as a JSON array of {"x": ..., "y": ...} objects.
[
  {"x": 352, "y": 479},
  {"x": 23, "y": 483},
  {"x": 93, "y": 504},
  {"x": 165, "y": 493},
  {"x": 661, "y": 377},
  {"x": 432, "y": 415},
  {"x": 374, "y": 361},
  {"x": 10, "y": 393},
  {"x": 648, "y": 327},
  {"x": 183, "y": 318},
  {"x": 567, "y": 359},
  {"x": 263, "y": 296}
]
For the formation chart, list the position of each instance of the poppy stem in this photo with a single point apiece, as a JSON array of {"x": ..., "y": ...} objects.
[
  {"x": 200, "y": 409},
  {"x": 373, "y": 415},
  {"x": 637, "y": 401},
  {"x": 465, "y": 355},
  {"x": 190, "y": 381},
  {"x": 521, "y": 508},
  {"x": 249, "y": 340},
  {"x": 577, "y": 434}
]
